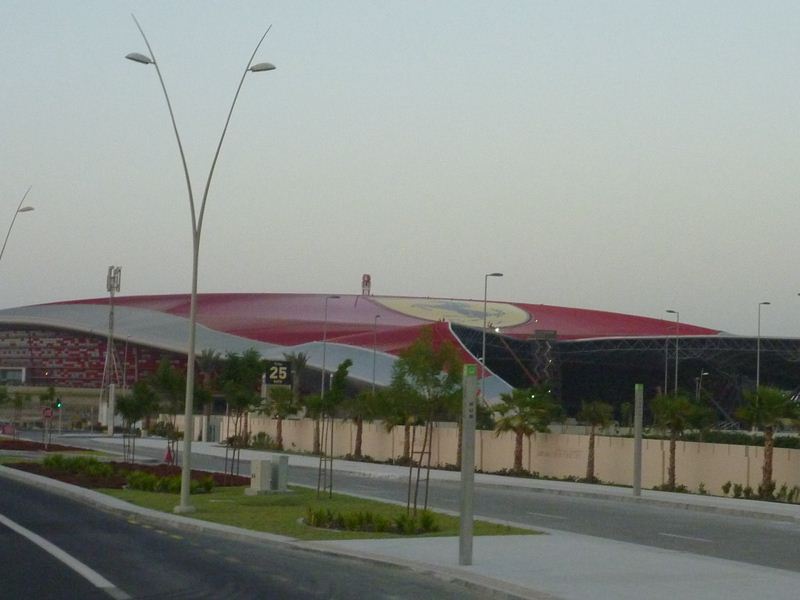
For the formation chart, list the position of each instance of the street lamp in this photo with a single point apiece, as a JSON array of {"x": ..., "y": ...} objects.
[
  {"x": 374, "y": 352},
  {"x": 483, "y": 342},
  {"x": 324, "y": 343},
  {"x": 677, "y": 335},
  {"x": 699, "y": 387},
  {"x": 758, "y": 346},
  {"x": 20, "y": 209},
  {"x": 197, "y": 227}
]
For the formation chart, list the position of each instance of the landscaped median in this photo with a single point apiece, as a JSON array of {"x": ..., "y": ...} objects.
[
  {"x": 287, "y": 513},
  {"x": 300, "y": 513}
]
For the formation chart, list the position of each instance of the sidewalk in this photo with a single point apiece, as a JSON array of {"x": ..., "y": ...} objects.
[{"x": 558, "y": 565}]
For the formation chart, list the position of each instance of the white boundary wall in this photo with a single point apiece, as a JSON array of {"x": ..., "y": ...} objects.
[{"x": 554, "y": 454}]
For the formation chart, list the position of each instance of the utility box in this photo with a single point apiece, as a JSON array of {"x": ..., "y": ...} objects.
[{"x": 267, "y": 476}]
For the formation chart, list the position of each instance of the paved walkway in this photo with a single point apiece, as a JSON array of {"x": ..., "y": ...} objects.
[{"x": 565, "y": 565}]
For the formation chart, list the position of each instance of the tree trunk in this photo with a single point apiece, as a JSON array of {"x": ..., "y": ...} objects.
[
  {"x": 590, "y": 461},
  {"x": 316, "y": 436},
  {"x": 406, "y": 441},
  {"x": 518, "y": 452},
  {"x": 359, "y": 436},
  {"x": 279, "y": 433},
  {"x": 769, "y": 445},
  {"x": 673, "y": 437}
]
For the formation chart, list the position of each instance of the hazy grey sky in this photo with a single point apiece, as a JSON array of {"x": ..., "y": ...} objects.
[{"x": 624, "y": 156}]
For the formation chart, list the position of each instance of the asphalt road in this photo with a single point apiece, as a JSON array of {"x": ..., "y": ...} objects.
[
  {"x": 143, "y": 561},
  {"x": 746, "y": 539}
]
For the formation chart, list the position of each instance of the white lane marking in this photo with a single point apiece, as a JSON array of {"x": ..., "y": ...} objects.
[
  {"x": 81, "y": 569},
  {"x": 538, "y": 514},
  {"x": 686, "y": 537}
]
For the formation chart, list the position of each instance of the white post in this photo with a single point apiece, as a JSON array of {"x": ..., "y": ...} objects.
[{"x": 470, "y": 389}]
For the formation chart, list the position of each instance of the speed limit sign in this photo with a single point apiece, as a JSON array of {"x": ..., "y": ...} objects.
[{"x": 279, "y": 372}]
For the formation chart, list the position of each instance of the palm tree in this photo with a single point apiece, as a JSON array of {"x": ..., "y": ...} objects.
[
  {"x": 595, "y": 414},
  {"x": 525, "y": 411},
  {"x": 282, "y": 405},
  {"x": 299, "y": 362},
  {"x": 766, "y": 408},
  {"x": 672, "y": 413},
  {"x": 359, "y": 408}
]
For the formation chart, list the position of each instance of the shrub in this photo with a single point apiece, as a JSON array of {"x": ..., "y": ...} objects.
[
  {"x": 767, "y": 492},
  {"x": 726, "y": 487},
  {"x": 403, "y": 523},
  {"x": 748, "y": 492},
  {"x": 147, "y": 482},
  {"x": 263, "y": 441},
  {"x": 737, "y": 490},
  {"x": 427, "y": 522},
  {"x": 78, "y": 465},
  {"x": 139, "y": 480},
  {"x": 701, "y": 489}
]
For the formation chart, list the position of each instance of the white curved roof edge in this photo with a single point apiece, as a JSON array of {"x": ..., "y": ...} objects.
[{"x": 170, "y": 333}]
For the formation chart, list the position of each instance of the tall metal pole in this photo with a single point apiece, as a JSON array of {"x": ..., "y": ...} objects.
[
  {"x": 758, "y": 347},
  {"x": 20, "y": 209},
  {"x": 197, "y": 228},
  {"x": 638, "y": 408},
  {"x": 374, "y": 351},
  {"x": 483, "y": 341},
  {"x": 324, "y": 345},
  {"x": 677, "y": 337}
]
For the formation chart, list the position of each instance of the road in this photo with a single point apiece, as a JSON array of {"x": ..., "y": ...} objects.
[
  {"x": 751, "y": 540},
  {"x": 142, "y": 561}
]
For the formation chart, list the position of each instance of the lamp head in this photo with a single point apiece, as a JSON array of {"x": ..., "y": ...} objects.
[
  {"x": 260, "y": 67},
  {"x": 25, "y": 209},
  {"x": 139, "y": 58},
  {"x": 494, "y": 274}
]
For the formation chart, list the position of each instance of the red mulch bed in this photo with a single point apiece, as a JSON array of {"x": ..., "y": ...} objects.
[
  {"x": 25, "y": 445},
  {"x": 117, "y": 481}
]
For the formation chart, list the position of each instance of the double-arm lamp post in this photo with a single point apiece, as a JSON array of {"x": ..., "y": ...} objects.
[
  {"x": 483, "y": 340},
  {"x": 197, "y": 228}
]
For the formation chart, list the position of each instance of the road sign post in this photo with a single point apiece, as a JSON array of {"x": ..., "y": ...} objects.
[{"x": 469, "y": 388}]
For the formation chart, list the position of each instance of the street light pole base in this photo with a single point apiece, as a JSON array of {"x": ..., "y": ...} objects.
[{"x": 184, "y": 510}]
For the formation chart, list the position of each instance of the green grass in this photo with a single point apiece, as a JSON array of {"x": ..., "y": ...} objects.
[{"x": 281, "y": 513}]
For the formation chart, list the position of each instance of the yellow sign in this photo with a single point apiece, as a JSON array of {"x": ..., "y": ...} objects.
[{"x": 462, "y": 312}]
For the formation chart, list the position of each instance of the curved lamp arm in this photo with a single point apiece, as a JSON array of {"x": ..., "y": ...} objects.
[{"x": 16, "y": 212}]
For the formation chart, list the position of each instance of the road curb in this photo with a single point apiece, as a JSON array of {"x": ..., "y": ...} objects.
[{"x": 495, "y": 587}]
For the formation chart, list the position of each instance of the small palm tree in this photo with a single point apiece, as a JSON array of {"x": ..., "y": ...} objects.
[
  {"x": 766, "y": 408},
  {"x": 358, "y": 409},
  {"x": 595, "y": 414},
  {"x": 525, "y": 411},
  {"x": 673, "y": 414},
  {"x": 282, "y": 405},
  {"x": 299, "y": 362}
]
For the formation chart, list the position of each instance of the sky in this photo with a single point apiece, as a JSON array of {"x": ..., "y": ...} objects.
[{"x": 628, "y": 156}]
